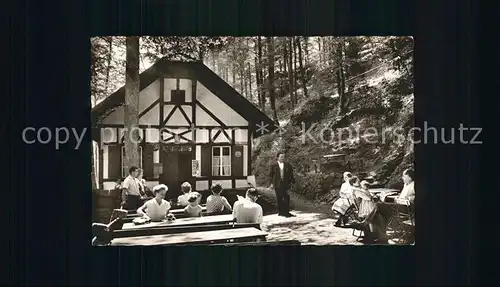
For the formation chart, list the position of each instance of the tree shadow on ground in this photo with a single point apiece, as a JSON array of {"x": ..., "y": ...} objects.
[{"x": 301, "y": 218}]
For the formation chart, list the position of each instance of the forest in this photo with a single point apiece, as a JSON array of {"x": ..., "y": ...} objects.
[{"x": 334, "y": 82}]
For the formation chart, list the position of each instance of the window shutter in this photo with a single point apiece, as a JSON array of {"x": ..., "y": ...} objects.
[
  {"x": 147, "y": 161},
  {"x": 237, "y": 161},
  {"x": 206, "y": 160},
  {"x": 114, "y": 162}
]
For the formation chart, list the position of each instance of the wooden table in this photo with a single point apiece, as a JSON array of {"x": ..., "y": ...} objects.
[
  {"x": 380, "y": 190},
  {"x": 189, "y": 221},
  {"x": 179, "y": 229},
  {"x": 391, "y": 198},
  {"x": 203, "y": 237}
]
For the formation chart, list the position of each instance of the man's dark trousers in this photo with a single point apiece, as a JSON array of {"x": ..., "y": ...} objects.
[{"x": 283, "y": 200}]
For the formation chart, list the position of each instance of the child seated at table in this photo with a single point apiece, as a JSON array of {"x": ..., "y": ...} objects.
[
  {"x": 156, "y": 209},
  {"x": 186, "y": 190},
  {"x": 194, "y": 208},
  {"x": 216, "y": 203}
]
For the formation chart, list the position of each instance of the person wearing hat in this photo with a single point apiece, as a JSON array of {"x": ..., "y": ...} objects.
[
  {"x": 247, "y": 210},
  {"x": 343, "y": 204},
  {"x": 157, "y": 208}
]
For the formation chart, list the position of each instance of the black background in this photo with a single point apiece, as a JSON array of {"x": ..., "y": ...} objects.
[{"x": 49, "y": 85}]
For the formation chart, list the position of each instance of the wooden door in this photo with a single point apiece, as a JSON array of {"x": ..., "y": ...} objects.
[
  {"x": 184, "y": 167},
  {"x": 170, "y": 173}
]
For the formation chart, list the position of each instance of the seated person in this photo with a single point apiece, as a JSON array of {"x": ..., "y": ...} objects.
[
  {"x": 143, "y": 188},
  {"x": 383, "y": 211},
  {"x": 156, "y": 209},
  {"x": 103, "y": 233},
  {"x": 246, "y": 210},
  {"x": 186, "y": 190},
  {"x": 343, "y": 203},
  {"x": 367, "y": 203},
  {"x": 216, "y": 203},
  {"x": 194, "y": 208}
]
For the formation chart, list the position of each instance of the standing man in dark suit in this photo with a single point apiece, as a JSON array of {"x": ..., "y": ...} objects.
[{"x": 282, "y": 178}]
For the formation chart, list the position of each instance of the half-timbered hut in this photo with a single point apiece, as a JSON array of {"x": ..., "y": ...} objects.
[{"x": 193, "y": 127}]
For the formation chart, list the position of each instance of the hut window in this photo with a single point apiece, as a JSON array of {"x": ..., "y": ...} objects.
[
  {"x": 221, "y": 160},
  {"x": 178, "y": 96},
  {"x": 124, "y": 168}
]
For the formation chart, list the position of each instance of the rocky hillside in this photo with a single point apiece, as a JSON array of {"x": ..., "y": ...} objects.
[{"x": 373, "y": 135}]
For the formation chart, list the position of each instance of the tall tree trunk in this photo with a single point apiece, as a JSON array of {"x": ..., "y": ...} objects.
[
  {"x": 242, "y": 78},
  {"x": 262, "y": 100},
  {"x": 233, "y": 71},
  {"x": 270, "y": 69},
  {"x": 249, "y": 72},
  {"x": 327, "y": 50},
  {"x": 301, "y": 67},
  {"x": 285, "y": 70},
  {"x": 320, "y": 51},
  {"x": 108, "y": 68},
  {"x": 290, "y": 72},
  {"x": 219, "y": 68},
  {"x": 295, "y": 78},
  {"x": 340, "y": 76},
  {"x": 212, "y": 57},
  {"x": 306, "y": 50},
  {"x": 245, "y": 85},
  {"x": 201, "y": 55},
  {"x": 257, "y": 81},
  {"x": 294, "y": 70},
  {"x": 280, "y": 76},
  {"x": 131, "y": 134}
]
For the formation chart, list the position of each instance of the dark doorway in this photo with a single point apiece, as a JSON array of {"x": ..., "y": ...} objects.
[{"x": 176, "y": 170}]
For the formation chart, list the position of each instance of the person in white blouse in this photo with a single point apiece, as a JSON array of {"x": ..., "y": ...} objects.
[
  {"x": 156, "y": 208},
  {"x": 383, "y": 211},
  {"x": 345, "y": 200},
  {"x": 186, "y": 189},
  {"x": 247, "y": 210}
]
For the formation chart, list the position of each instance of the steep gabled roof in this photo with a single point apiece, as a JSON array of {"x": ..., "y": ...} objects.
[{"x": 201, "y": 73}]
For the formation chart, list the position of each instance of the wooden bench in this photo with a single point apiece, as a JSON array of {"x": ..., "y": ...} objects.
[
  {"x": 193, "y": 238},
  {"x": 189, "y": 221},
  {"x": 180, "y": 229},
  {"x": 174, "y": 211}
]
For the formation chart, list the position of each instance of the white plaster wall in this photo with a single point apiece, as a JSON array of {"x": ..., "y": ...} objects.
[
  {"x": 220, "y": 109},
  {"x": 105, "y": 161},
  {"x": 202, "y": 185}
]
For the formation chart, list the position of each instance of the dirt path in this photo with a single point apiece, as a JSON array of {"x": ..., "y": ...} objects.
[{"x": 313, "y": 224}]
